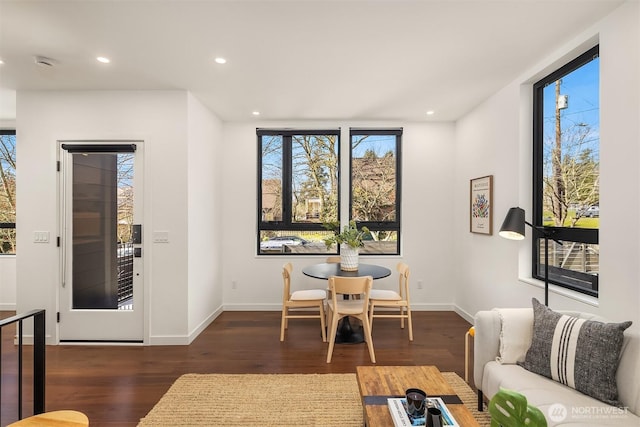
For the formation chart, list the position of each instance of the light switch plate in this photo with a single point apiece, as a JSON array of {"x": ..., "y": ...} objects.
[
  {"x": 41, "y": 237},
  {"x": 161, "y": 237}
]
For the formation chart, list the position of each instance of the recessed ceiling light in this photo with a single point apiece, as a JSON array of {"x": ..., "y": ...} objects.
[
  {"x": 220, "y": 60},
  {"x": 103, "y": 59},
  {"x": 256, "y": 113},
  {"x": 430, "y": 113}
]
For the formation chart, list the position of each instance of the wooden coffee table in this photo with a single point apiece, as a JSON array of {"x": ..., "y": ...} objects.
[{"x": 377, "y": 383}]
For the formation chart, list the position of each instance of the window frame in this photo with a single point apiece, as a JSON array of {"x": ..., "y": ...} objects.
[
  {"x": 9, "y": 225},
  {"x": 562, "y": 234},
  {"x": 287, "y": 191},
  {"x": 380, "y": 225}
]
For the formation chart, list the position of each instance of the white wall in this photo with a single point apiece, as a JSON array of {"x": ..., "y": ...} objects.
[
  {"x": 160, "y": 119},
  {"x": 427, "y": 184},
  {"x": 8, "y": 282},
  {"x": 495, "y": 139},
  {"x": 204, "y": 212}
]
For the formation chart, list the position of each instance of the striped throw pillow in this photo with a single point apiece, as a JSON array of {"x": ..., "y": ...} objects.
[{"x": 582, "y": 354}]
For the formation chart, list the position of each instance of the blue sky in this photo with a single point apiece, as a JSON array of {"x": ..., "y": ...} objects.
[
  {"x": 381, "y": 144},
  {"x": 582, "y": 87}
]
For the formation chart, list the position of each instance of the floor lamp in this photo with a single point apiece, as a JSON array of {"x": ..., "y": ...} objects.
[{"x": 513, "y": 228}]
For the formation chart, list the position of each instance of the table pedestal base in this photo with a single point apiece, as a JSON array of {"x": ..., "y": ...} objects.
[{"x": 348, "y": 334}]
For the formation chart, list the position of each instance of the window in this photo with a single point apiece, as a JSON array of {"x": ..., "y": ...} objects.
[
  {"x": 298, "y": 180},
  {"x": 7, "y": 191},
  {"x": 375, "y": 187},
  {"x": 566, "y": 193}
]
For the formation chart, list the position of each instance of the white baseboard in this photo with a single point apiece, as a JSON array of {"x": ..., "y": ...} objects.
[
  {"x": 203, "y": 325},
  {"x": 465, "y": 315},
  {"x": 169, "y": 340},
  {"x": 7, "y": 306},
  {"x": 252, "y": 307},
  {"x": 278, "y": 307},
  {"x": 28, "y": 340},
  {"x": 185, "y": 339}
]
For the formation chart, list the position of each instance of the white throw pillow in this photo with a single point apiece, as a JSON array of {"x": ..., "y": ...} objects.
[{"x": 515, "y": 335}]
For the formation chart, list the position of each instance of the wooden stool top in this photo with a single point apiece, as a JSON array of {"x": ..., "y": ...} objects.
[{"x": 54, "y": 418}]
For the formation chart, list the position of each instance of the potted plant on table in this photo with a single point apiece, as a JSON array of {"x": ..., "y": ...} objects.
[{"x": 350, "y": 241}]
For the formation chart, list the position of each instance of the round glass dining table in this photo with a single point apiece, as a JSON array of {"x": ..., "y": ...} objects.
[{"x": 346, "y": 334}]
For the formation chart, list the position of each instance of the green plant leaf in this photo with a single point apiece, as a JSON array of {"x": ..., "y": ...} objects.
[{"x": 509, "y": 408}]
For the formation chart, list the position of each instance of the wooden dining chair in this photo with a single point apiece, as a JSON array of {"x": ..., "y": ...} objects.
[
  {"x": 337, "y": 260},
  {"x": 338, "y": 307},
  {"x": 311, "y": 298},
  {"x": 382, "y": 298}
]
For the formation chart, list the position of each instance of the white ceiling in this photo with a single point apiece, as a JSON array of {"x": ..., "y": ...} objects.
[{"x": 290, "y": 60}]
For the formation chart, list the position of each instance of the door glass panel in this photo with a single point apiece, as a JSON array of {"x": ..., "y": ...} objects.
[
  {"x": 102, "y": 217},
  {"x": 125, "y": 230}
]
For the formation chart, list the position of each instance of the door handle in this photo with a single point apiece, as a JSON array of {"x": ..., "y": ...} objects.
[{"x": 136, "y": 234}]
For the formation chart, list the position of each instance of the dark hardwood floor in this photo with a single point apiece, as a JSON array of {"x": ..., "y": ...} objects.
[{"x": 118, "y": 385}]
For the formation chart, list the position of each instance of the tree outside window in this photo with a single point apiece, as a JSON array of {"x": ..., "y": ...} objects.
[
  {"x": 375, "y": 184},
  {"x": 567, "y": 172},
  {"x": 7, "y": 192},
  {"x": 298, "y": 190}
]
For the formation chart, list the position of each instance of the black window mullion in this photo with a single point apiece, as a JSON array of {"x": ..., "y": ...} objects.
[
  {"x": 538, "y": 153},
  {"x": 398, "y": 182},
  {"x": 287, "y": 180}
]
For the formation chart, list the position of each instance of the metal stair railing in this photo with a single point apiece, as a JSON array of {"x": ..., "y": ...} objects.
[{"x": 38, "y": 357}]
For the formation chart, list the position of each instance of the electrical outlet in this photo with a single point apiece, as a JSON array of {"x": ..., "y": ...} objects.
[
  {"x": 234, "y": 284},
  {"x": 419, "y": 284}
]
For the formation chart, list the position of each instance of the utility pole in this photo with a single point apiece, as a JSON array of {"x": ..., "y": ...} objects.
[{"x": 556, "y": 161}]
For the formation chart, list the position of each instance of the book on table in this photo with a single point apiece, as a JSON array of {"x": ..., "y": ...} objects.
[{"x": 398, "y": 410}]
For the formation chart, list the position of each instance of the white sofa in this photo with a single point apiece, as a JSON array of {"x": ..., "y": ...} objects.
[{"x": 561, "y": 405}]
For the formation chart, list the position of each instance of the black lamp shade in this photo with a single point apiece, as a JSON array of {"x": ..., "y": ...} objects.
[{"x": 513, "y": 225}]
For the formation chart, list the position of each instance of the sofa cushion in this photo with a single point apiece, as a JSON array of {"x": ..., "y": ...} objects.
[
  {"x": 515, "y": 334},
  {"x": 579, "y": 353}
]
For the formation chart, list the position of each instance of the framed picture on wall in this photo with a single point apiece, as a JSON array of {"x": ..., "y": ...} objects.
[{"x": 481, "y": 212}]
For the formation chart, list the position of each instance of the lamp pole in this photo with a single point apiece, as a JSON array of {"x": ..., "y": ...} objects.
[
  {"x": 513, "y": 228},
  {"x": 546, "y": 233},
  {"x": 546, "y": 269}
]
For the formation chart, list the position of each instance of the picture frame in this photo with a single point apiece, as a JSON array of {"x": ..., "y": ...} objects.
[{"x": 481, "y": 205}]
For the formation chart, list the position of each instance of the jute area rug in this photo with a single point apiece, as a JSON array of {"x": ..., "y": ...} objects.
[{"x": 270, "y": 400}]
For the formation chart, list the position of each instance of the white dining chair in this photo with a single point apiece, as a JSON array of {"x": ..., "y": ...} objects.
[
  {"x": 338, "y": 307},
  {"x": 388, "y": 299},
  {"x": 310, "y": 298}
]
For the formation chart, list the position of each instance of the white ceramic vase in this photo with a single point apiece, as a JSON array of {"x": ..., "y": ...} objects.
[{"x": 348, "y": 258}]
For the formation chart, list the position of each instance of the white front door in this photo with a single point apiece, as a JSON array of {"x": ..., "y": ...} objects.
[{"x": 101, "y": 289}]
